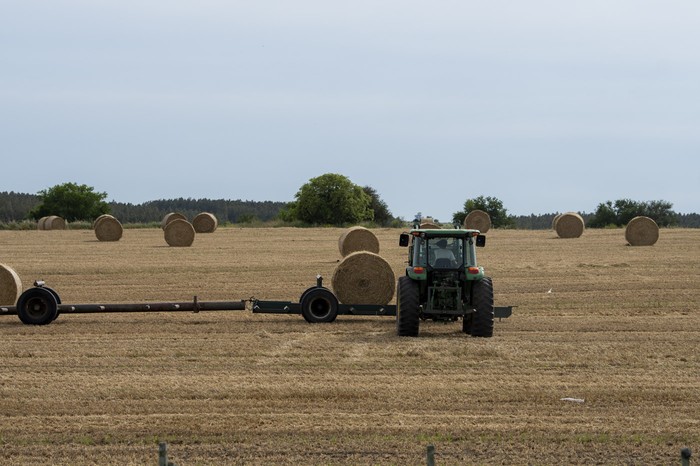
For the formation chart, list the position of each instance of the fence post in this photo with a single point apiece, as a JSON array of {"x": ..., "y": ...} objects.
[
  {"x": 686, "y": 453},
  {"x": 162, "y": 454},
  {"x": 431, "y": 455}
]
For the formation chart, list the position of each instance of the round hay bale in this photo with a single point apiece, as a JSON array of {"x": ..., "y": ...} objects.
[
  {"x": 569, "y": 225},
  {"x": 179, "y": 233},
  {"x": 642, "y": 231},
  {"x": 554, "y": 221},
  {"x": 364, "y": 278},
  {"x": 478, "y": 220},
  {"x": 94, "y": 222},
  {"x": 205, "y": 223},
  {"x": 40, "y": 223},
  {"x": 108, "y": 228},
  {"x": 170, "y": 217},
  {"x": 429, "y": 226},
  {"x": 10, "y": 286},
  {"x": 54, "y": 222},
  {"x": 357, "y": 239}
]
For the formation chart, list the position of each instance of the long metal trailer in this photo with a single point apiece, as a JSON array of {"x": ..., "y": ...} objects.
[{"x": 41, "y": 305}]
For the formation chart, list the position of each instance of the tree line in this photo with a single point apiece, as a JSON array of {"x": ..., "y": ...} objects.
[
  {"x": 329, "y": 199},
  {"x": 16, "y": 207}
]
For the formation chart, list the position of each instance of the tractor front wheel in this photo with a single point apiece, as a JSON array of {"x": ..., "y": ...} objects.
[
  {"x": 482, "y": 301},
  {"x": 407, "y": 308}
]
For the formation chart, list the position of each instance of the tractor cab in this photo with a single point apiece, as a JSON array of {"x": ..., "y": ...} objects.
[{"x": 437, "y": 250}]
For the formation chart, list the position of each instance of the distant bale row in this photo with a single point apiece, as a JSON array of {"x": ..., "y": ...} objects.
[
  {"x": 477, "y": 220},
  {"x": 204, "y": 222},
  {"x": 51, "y": 222},
  {"x": 10, "y": 286},
  {"x": 642, "y": 231},
  {"x": 568, "y": 225}
]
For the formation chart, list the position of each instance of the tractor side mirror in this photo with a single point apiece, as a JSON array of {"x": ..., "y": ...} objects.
[
  {"x": 480, "y": 241},
  {"x": 403, "y": 240}
]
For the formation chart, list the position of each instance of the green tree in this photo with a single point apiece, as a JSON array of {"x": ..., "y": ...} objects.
[
  {"x": 604, "y": 215},
  {"x": 71, "y": 202},
  {"x": 620, "y": 212},
  {"x": 382, "y": 215},
  {"x": 330, "y": 199},
  {"x": 492, "y": 206}
]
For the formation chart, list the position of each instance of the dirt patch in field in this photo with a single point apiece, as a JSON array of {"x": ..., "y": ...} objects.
[{"x": 596, "y": 320}]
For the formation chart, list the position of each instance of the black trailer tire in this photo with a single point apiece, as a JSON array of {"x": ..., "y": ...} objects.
[
  {"x": 319, "y": 305},
  {"x": 37, "y": 306},
  {"x": 301, "y": 300},
  {"x": 55, "y": 295},
  {"x": 407, "y": 308},
  {"x": 482, "y": 301}
]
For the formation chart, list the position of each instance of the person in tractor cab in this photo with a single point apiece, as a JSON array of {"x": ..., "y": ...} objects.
[{"x": 445, "y": 254}]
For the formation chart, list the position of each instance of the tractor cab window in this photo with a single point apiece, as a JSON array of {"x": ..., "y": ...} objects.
[{"x": 445, "y": 253}]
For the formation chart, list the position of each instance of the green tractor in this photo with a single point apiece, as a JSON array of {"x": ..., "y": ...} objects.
[{"x": 444, "y": 283}]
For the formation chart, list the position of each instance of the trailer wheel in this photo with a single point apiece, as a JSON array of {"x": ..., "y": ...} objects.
[
  {"x": 301, "y": 300},
  {"x": 482, "y": 300},
  {"x": 319, "y": 306},
  {"x": 55, "y": 295},
  {"x": 37, "y": 306},
  {"x": 407, "y": 308}
]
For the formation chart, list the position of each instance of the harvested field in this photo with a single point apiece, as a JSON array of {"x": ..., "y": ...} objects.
[{"x": 619, "y": 329}]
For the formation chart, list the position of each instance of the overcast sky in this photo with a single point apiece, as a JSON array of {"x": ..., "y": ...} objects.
[{"x": 549, "y": 106}]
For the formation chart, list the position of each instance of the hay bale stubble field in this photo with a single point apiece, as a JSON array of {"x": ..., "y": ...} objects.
[{"x": 620, "y": 329}]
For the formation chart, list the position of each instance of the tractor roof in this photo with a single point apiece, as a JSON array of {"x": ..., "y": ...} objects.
[{"x": 435, "y": 233}]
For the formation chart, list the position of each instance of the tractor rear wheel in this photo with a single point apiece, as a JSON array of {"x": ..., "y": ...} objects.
[
  {"x": 319, "y": 305},
  {"x": 407, "y": 308},
  {"x": 482, "y": 301}
]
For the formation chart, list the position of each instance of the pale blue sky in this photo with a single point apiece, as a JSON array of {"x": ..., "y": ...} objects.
[{"x": 548, "y": 105}]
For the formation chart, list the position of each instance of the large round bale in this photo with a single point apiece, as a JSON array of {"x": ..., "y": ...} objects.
[
  {"x": 54, "y": 222},
  {"x": 10, "y": 286},
  {"x": 429, "y": 226},
  {"x": 170, "y": 217},
  {"x": 108, "y": 228},
  {"x": 94, "y": 222},
  {"x": 364, "y": 278},
  {"x": 205, "y": 222},
  {"x": 478, "y": 220},
  {"x": 569, "y": 225},
  {"x": 179, "y": 233},
  {"x": 642, "y": 231},
  {"x": 357, "y": 239},
  {"x": 40, "y": 223}
]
